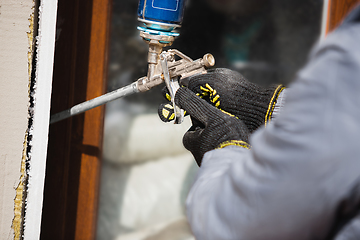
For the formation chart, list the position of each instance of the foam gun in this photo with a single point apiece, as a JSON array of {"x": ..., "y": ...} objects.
[{"x": 158, "y": 20}]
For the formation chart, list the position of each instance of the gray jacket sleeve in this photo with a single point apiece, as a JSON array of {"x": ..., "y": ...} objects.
[{"x": 300, "y": 180}]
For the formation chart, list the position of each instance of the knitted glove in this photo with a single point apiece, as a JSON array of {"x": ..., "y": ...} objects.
[
  {"x": 212, "y": 128},
  {"x": 230, "y": 91},
  {"x": 166, "y": 110}
]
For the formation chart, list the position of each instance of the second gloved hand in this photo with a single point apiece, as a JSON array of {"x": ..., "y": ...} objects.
[{"x": 212, "y": 128}]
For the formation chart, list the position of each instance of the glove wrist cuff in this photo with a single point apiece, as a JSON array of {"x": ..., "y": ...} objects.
[
  {"x": 272, "y": 103},
  {"x": 238, "y": 143}
]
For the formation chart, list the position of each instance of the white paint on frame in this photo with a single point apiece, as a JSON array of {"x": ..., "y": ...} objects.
[
  {"x": 326, "y": 6},
  {"x": 40, "y": 128}
]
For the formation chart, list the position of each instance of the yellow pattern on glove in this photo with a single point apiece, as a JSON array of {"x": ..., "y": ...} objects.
[
  {"x": 272, "y": 103},
  {"x": 238, "y": 143},
  {"x": 166, "y": 112}
]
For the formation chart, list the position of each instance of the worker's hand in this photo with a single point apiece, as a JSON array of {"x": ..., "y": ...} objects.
[
  {"x": 166, "y": 110},
  {"x": 230, "y": 91},
  {"x": 212, "y": 128}
]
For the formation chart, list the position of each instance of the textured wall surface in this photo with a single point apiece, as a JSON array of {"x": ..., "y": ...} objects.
[{"x": 14, "y": 100}]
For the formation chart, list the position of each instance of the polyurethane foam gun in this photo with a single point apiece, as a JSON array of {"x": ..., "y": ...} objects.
[{"x": 158, "y": 20}]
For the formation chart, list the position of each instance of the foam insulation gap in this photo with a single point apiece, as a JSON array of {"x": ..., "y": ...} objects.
[
  {"x": 39, "y": 111},
  {"x": 19, "y": 202}
]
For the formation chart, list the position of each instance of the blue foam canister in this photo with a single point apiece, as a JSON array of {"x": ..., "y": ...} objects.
[{"x": 163, "y": 12}]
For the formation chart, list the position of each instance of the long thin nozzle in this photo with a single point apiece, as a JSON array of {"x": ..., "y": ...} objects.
[{"x": 82, "y": 107}]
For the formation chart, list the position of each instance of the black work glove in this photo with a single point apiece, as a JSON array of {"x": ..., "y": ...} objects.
[
  {"x": 230, "y": 91},
  {"x": 212, "y": 128},
  {"x": 166, "y": 110}
]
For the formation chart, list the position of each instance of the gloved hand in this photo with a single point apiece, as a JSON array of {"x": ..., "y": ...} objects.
[
  {"x": 212, "y": 128},
  {"x": 230, "y": 91},
  {"x": 166, "y": 110}
]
